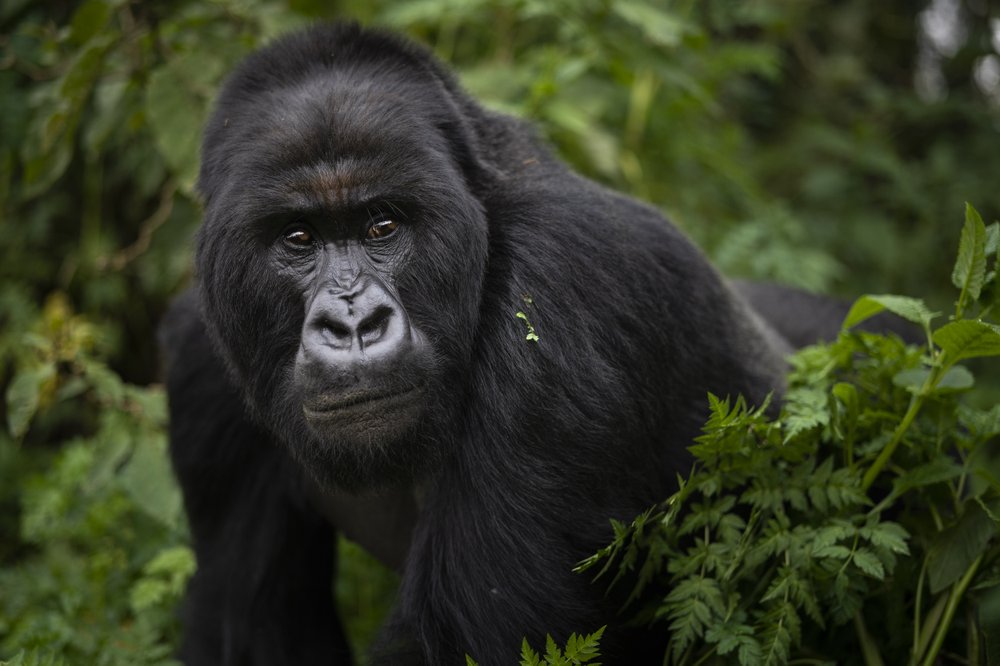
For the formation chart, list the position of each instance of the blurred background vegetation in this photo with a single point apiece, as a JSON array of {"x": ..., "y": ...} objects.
[{"x": 826, "y": 144}]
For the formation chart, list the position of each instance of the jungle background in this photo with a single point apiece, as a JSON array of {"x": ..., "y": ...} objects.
[{"x": 827, "y": 145}]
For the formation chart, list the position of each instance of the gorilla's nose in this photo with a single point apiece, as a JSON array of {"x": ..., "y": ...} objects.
[{"x": 363, "y": 322}]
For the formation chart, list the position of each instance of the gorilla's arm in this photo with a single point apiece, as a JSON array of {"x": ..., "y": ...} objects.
[{"x": 262, "y": 591}]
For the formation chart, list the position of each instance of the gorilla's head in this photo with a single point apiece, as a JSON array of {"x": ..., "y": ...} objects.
[{"x": 343, "y": 250}]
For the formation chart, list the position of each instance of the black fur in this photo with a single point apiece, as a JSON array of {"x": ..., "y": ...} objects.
[{"x": 522, "y": 450}]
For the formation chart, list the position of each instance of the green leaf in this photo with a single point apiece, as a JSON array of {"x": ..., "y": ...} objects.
[
  {"x": 79, "y": 79},
  {"x": 805, "y": 409},
  {"x": 969, "y": 272},
  {"x": 34, "y": 658},
  {"x": 866, "y": 560},
  {"x": 553, "y": 655},
  {"x": 177, "y": 100},
  {"x": 957, "y": 378},
  {"x": 88, "y": 20},
  {"x": 956, "y": 547},
  {"x": 528, "y": 656},
  {"x": 107, "y": 385},
  {"x": 658, "y": 26},
  {"x": 584, "y": 649},
  {"x": 695, "y": 604},
  {"x": 967, "y": 339},
  {"x": 888, "y": 536},
  {"x": 937, "y": 471},
  {"x": 24, "y": 395},
  {"x": 982, "y": 422},
  {"x": 147, "y": 478},
  {"x": 992, "y": 238},
  {"x": 165, "y": 578},
  {"x": 911, "y": 309},
  {"x": 729, "y": 636}
]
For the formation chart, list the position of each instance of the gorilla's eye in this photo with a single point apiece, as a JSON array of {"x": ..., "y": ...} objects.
[
  {"x": 382, "y": 229},
  {"x": 299, "y": 237}
]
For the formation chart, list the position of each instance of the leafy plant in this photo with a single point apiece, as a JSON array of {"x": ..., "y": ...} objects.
[
  {"x": 579, "y": 650},
  {"x": 874, "y": 496},
  {"x": 779, "y": 134}
]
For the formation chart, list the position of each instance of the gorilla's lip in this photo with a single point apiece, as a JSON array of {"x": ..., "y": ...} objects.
[{"x": 338, "y": 402}]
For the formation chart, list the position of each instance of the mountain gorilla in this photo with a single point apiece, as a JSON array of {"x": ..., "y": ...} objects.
[{"x": 375, "y": 250}]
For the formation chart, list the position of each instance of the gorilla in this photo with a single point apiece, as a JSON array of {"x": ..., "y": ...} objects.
[{"x": 414, "y": 325}]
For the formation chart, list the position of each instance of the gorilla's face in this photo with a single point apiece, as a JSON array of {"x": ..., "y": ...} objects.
[
  {"x": 362, "y": 368},
  {"x": 341, "y": 264}
]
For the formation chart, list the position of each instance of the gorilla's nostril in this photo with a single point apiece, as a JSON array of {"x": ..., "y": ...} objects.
[
  {"x": 339, "y": 330},
  {"x": 335, "y": 333},
  {"x": 374, "y": 327}
]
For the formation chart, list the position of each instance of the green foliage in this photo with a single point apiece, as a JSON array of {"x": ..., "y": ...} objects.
[
  {"x": 579, "y": 650},
  {"x": 33, "y": 658},
  {"x": 97, "y": 160},
  {"x": 779, "y": 134},
  {"x": 874, "y": 494},
  {"x": 97, "y": 515}
]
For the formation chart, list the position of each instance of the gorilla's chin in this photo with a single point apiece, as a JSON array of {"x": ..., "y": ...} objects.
[{"x": 364, "y": 418}]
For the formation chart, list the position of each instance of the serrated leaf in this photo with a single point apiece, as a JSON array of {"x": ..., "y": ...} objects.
[
  {"x": 911, "y": 309},
  {"x": 967, "y": 339},
  {"x": 957, "y": 378},
  {"x": 969, "y": 272},
  {"x": 528, "y": 656},
  {"x": 553, "y": 655},
  {"x": 805, "y": 409},
  {"x": 992, "y": 238},
  {"x": 835, "y": 552},
  {"x": 937, "y": 471},
  {"x": 866, "y": 560},
  {"x": 984, "y": 423},
  {"x": 730, "y": 636},
  {"x": 891, "y": 536},
  {"x": 956, "y": 547},
  {"x": 107, "y": 385},
  {"x": 148, "y": 480},
  {"x": 584, "y": 649},
  {"x": 24, "y": 396}
]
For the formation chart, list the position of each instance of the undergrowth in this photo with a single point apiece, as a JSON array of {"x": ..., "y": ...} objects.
[{"x": 861, "y": 525}]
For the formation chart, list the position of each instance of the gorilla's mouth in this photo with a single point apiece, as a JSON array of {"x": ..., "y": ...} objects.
[
  {"x": 364, "y": 418},
  {"x": 337, "y": 405}
]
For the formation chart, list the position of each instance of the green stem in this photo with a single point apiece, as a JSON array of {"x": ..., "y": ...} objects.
[
  {"x": 868, "y": 648},
  {"x": 918, "y": 606},
  {"x": 954, "y": 598},
  {"x": 911, "y": 413},
  {"x": 883, "y": 458},
  {"x": 927, "y": 628}
]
